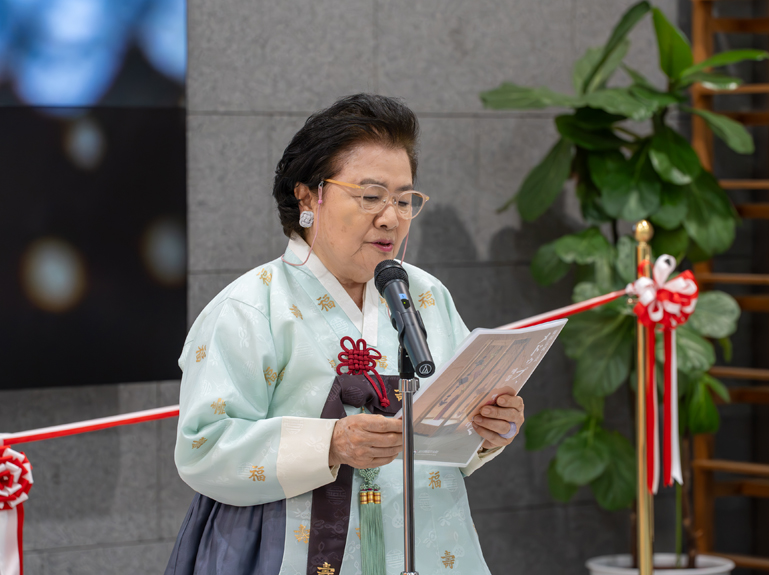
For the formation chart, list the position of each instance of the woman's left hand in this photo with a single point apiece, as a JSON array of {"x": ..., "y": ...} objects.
[{"x": 497, "y": 420}]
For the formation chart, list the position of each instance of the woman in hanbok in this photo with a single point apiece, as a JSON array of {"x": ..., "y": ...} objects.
[{"x": 280, "y": 428}]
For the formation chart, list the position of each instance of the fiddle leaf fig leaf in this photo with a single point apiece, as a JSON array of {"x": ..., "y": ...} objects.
[
  {"x": 559, "y": 488},
  {"x": 543, "y": 183},
  {"x": 546, "y": 266},
  {"x": 619, "y": 101},
  {"x": 615, "y": 488},
  {"x": 550, "y": 426},
  {"x": 586, "y": 247},
  {"x": 513, "y": 97},
  {"x": 586, "y": 63},
  {"x": 693, "y": 352},
  {"x": 672, "y": 242},
  {"x": 581, "y": 458},
  {"x": 732, "y": 133},
  {"x": 654, "y": 98},
  {"x": 702, "y": 415},
  {"x": 597, "y": 139},
  {"x": 673, "y": 206},
  {"x": 674, "y": 49},
  {"x": 605, "y": 365},
  {"x": 710, "y": 219},
  {"x": 717, "y": 387},
  {"x": 625, "y": 262},
  {"x": 673, "y": 157},
  {"x": 716, "y": 315},
  {"x": 630, "y": 189}
]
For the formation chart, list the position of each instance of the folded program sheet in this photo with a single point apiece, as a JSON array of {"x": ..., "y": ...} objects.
[{"x": 488, "y": 361}]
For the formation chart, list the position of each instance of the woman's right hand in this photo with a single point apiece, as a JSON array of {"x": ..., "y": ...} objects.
[{"x": 364, "y": 441}]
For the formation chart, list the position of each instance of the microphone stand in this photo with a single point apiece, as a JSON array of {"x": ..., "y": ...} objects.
[{"x": 408, "y": 386}]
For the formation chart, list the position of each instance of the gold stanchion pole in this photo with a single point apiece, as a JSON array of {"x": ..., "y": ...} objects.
[{"x": 643, "y": 233}]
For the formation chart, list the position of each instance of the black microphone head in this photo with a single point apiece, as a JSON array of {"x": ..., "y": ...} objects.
[{"x": 387, "y": 271}]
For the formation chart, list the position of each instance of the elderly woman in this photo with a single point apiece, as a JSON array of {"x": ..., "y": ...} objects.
[{"x": 266, "y": 436}]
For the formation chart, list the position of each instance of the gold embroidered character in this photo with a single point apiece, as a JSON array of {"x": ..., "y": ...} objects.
[
  {"x": 198, "y": 443},
  {"x": 281, "y": 374},
  {"x": 326, "y": 570},
  {"x": 448, "y": 560},
  {"x": 200, "y": 354},
  {"x": 219, "y": 406},
  {"x": 266, "y": 277},
  {"x": 399, "y": 393},
  {"x": 302, "y": 534},
  {"x": 296, "y": 312},
  {"x": 382, "y": 362},
  {"x": 270, "y": 376},
  {"x": 435, "y": 479},
  {"x": 257, "y": 473},
  {"x": 326, "y": 303},
  {"x": 426, "y": 299}
]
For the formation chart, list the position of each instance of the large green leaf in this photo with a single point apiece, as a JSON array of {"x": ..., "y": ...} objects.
[
  {"x": 711, "y": 81},
  {"x": 725, "y": 58},
  {"x": 548, "y": 427},
  {"x": 511, "y": 96},
  {"x": 654, "y": 98},
  {"x": 559, "y": 489},
  {"x": 702, "y": 415},
  {"x": 674, "y": 49},
  {"x": 619, "y": 101},
  {"x": 544, "y": 182},
  {"x": 630, "y": 189},
  {"x": 628, "y": 21},
  {"x": 590, "y": 203},
  {"x": 625, "y": 262},
  {"x": 672, "y": 242},
  {"x": 615, "y": 488},
  {"x": 716, "y": 315},
  {"x": 732, "y": 133},
  {"x": 673, "y": 157},
  {"x": 673, "y": 206},
  {"x": 588, "y": 61},
  {"x": 546, "y": 266},
  {"x": 583, "y": 248},
  {"x": 599, "y": 139},
  {"x": 584, "y": 291},
  {"x": 595, "y": 118},
  {"x": 637, "y": 77},
  {"x": 584, "y": 329},
  {"x": 605, "y": 365},
  {"x": 693, "y": 352},
  {"x": 581, "y": 458},
  {"x": 710, "y": 219}
]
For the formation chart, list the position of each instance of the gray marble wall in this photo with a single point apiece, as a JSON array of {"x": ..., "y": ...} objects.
[{"x": 111, "y": 502}]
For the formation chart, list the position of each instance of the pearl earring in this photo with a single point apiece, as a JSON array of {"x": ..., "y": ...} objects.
[{"x": 306, "y": 218}]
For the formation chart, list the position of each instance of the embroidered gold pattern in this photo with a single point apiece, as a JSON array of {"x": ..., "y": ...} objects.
[
  {"x": 382, "y": 363},
  {"x": 381, "y": 299},
  {"x": 399, "y": 393},
  {"x": 200, "y": 353},
  {"x": 426, "y": 299},
  {"x": 296, "y": 312},
  {"x": 332, "y": 363},
  {"x": 357, "y": 532},
  {"x": 326, "y": 570},
  {"x": 302, "y": 534},
  {"x": 448, "y": 560},
  {"x": 198, "y": 443},
  {"x": 281, "y": 374},
  {"x": 257, "y": 473},
  {"x": 270, "y": 376},
  {"x": 435, "y": 479},
  {"x": 219, "y": 406},
  {"x": 266, "y": 277},
  {"x": 326, "y": 303}
]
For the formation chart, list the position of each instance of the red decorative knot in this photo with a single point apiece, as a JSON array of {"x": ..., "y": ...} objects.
[
  {"x": 15, "y": 478},
  {"x": 358, "y": 358}
]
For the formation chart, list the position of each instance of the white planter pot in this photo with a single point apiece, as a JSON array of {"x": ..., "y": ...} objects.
[{"x": 621, "y": 565}]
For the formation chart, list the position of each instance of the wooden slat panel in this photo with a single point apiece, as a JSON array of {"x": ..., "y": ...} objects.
[
  {"x": 753, "y": 211},
  {"x": 744, "y": 89},
  {"x": 740, "y": 372},
  {"x": 746, "y": 561},
  {"x": 740, "y": 467},
  {"x": 749, "y": 118},
  {"x": 743, "y": 279},
  {"x": 754, "y": 395},
  {"x": 741, "y": 25},
  {"x": 744, "y": 488},
  {"x": 744, "y": 184},
  {"x": 758, "y": 303}
]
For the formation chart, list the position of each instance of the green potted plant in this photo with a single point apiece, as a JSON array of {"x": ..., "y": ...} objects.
[{"x": 628, "y": 164}]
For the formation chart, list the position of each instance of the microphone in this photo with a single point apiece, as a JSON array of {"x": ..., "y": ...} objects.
[{"x": 392, "y": 283}]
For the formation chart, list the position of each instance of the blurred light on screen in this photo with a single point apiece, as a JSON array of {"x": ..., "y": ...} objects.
[
  {"x": 53, "y": 275},
  {"x": 84, "y": 143},
  {"x": 164, "y": 251}
]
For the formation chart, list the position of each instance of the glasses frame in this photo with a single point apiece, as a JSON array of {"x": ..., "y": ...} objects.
[{"x": 390, "y": 196}]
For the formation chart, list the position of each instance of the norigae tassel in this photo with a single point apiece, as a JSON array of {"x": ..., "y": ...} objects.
[{"x": 372, "y": 549}]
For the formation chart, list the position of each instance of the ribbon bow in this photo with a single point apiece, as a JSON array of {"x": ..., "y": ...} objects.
[
  {"x": 668, "y": 304},
  {"x": 15, "y": 483},
  {"x": 359, "y": 358}
]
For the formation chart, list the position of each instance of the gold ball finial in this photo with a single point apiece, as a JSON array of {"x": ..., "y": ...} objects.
[{"x": 644, "y": 231}]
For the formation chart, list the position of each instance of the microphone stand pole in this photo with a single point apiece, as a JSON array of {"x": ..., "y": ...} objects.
[{"x": 408, "y": 386}]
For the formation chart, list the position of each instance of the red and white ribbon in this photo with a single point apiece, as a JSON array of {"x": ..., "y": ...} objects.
[
  {"x": 669, "y": 305},
  {"x": 15, "y": 483}
]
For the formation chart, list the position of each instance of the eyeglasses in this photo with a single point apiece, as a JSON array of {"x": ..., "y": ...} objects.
[{"x": 375, "y": 198}]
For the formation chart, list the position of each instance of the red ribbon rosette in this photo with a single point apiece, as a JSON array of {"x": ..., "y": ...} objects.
[
  {"x": 15, "y": 483},
  {"x": 669, "y": 305}
]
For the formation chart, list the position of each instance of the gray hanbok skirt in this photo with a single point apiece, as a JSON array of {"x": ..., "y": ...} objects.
[{"x": 216, "y": 539}]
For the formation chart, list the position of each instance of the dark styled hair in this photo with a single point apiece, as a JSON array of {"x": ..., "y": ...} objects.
[{"x": 316, "y": 150}]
